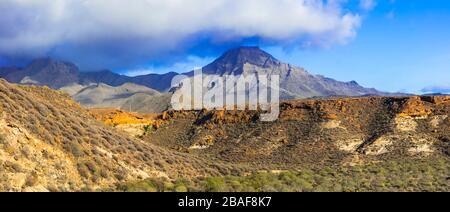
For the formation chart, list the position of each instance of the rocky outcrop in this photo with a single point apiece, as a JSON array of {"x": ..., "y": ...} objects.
[
  {"x": 134, "y": 124},
  {"x": 316, "y": 131}
]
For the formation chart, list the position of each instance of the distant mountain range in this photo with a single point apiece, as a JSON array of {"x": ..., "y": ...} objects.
[
  {"x": 129, "y": 96},
  {"x": 109, "y": 89},
  {"x": 296, "y": 83},
  {"x": 58, "y": 74}
]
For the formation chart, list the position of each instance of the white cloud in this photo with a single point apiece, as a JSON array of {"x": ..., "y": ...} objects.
[
  {"x": 139, "y": 72},
  {"x": 445, "y": 89},
  {"x": 367, "y": 4},
  {"x": 35, "y": 27}
]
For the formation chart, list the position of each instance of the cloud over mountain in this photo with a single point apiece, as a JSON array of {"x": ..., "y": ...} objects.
[
  {"x": 437, "y": 89},
  {"x": 114, "y": 32}
]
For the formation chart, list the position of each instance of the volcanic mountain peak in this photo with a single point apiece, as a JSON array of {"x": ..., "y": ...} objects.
[
  {"x": 233, "y": 61},
  {"x": 47, "y": 68},
  {"x": 43, "y": 63},
  {"x": 43, "y": 71},
  {"x": 252, "y": 55}
]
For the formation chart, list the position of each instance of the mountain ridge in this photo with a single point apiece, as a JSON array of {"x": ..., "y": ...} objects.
[
  {"x": 227, "y": 63},
  {"x": 295, "y": 82}
]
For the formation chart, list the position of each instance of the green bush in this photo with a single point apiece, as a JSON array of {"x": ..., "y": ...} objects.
[
  {"x": 181, "y": 188},
  {"x": 144, "y": 186},
  {"x": 148, "y": 129},
  {"x": 428, "y": 175},
  {"x": 215, "y": 184}
]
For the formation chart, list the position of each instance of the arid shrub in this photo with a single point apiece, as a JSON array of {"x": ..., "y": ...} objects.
[
  {"x": 91, "y": 166},
  {"x": 83, "y": 170},
  {"x": 75, "y": 148},
  {"x": 104, "y": 173},
  {"x": 120, "y": 174},
  {"x": 31, "y": 180},
  {"x": 2, "y": 139},
  {"x": 26, "y": 152},
  {"x": 17, "y": 167}
]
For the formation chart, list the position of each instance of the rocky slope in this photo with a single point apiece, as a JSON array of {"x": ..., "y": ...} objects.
[
  {"x": 132, "y": 123},
  {"x": 49, "y": 143},
  {"x": 323, "y": 131},
  {"x": 295, "y": 82}
]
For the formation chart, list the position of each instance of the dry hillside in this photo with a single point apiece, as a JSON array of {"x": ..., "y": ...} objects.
[
  {"x": 49, "y": 143},
  {"x": 335, "y": 144},
  {"x": 316, "y": 132}
]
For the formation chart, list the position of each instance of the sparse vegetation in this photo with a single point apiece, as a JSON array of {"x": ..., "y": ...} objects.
[
  {"x": 388, "y": 176},
  {"x": 31, "y": 180},
  {"x": 75, "y": 148},
  {"x": 60, "y": 138},
  {"x": 148, "y": 129}
]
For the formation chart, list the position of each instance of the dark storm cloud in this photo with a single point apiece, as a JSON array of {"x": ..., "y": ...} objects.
[{"x": 117, "y": 34}]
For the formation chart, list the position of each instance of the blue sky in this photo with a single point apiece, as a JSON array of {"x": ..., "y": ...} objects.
[
  {"x": 401, "y": 46},
  {"x": 392, "y": 45}
]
